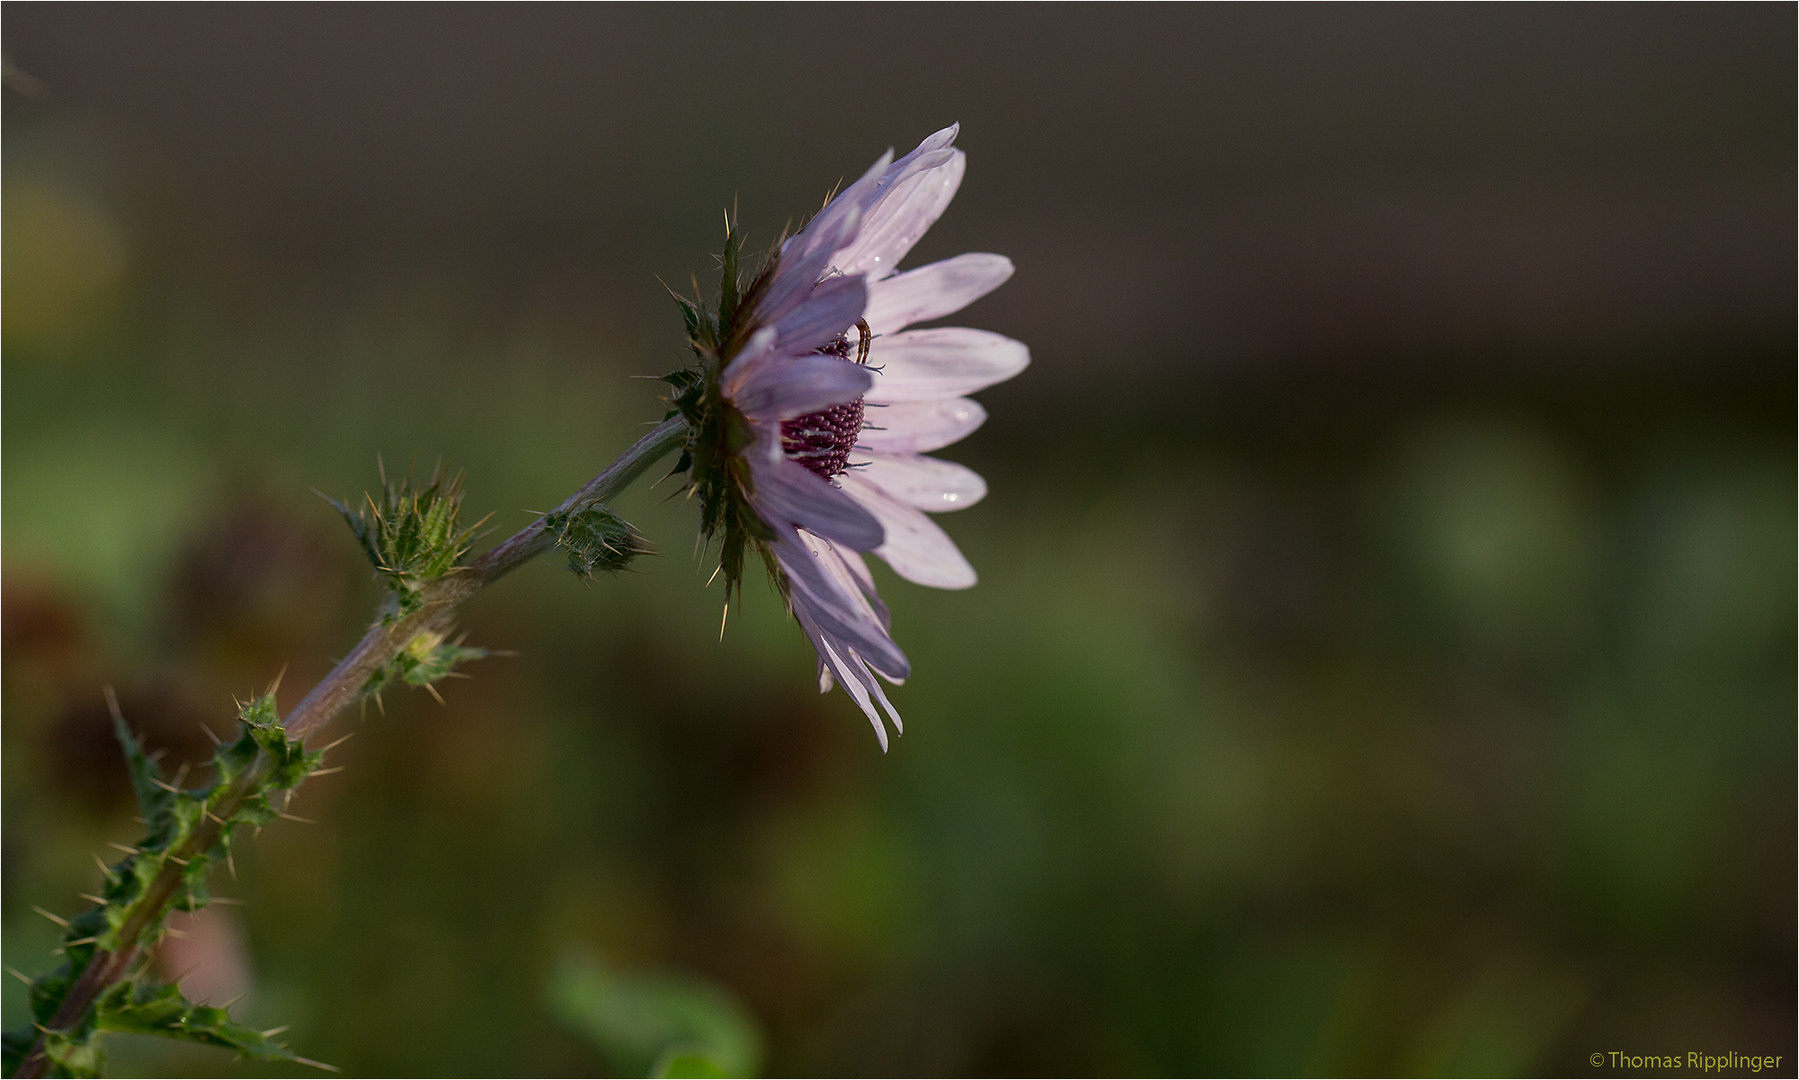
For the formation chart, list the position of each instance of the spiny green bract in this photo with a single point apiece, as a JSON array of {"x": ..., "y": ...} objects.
[
  {"x": 596, "y": 540},
  {"x": 413, "y": 536},
  {"x": 172, "y": 815},
  {"x": 427, "y": 658},
  {"x": 718, "y": 435}
]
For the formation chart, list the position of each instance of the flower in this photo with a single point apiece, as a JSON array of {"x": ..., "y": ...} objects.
[{"x": 812, "y": 405}]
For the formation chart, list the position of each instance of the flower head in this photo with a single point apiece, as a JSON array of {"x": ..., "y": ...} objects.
[{"x": 812, "y": 403}]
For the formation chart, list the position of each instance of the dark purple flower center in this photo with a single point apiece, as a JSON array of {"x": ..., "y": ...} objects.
[{"x": 822, "y": 441}]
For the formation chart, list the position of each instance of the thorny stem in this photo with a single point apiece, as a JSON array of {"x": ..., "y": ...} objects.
[{"x": 335, "y": 691}]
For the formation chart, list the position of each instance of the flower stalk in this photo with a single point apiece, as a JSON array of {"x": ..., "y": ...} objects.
[{"x": 423, "y": 611}]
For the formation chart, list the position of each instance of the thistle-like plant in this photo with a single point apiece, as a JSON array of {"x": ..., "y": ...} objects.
[{"x": 778, "y": 451}]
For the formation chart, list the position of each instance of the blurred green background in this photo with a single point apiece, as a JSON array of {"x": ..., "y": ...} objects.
[{"x": 1384, "y": 655}]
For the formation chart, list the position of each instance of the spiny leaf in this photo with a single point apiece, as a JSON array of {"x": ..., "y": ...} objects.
[
  {"x": 263, "y": 727},
  {"x": 174, "y": 816},
  {"x": 161, "y": 1010},
  {"x": 152, "y": 799}
]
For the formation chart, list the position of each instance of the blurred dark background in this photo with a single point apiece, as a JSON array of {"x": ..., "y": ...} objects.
[{"x": 1384, "y": 656}]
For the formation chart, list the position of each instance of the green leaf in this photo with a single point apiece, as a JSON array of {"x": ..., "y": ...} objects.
[
  {"x": 173, "y": 815},
  {"x": 152, "y": 800},
  {"x": 292, "y": 760},
  {"x": 651, "y": 1020},
  {"x": 139, "y": 1009},
  {"x": 161, "y": 1010}
]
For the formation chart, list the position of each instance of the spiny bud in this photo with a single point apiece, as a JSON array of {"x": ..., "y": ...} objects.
[
  {"x": 413, "y": 535},
  {"x": 426, "y": 659},
  {"x": 596, "y": 540}
]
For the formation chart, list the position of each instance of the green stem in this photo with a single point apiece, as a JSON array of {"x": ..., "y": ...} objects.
[{"x": 340, "y": 688}]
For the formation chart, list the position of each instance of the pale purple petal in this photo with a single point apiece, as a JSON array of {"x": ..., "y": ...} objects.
[
  {"x": 852, "y": 561},
  {"x": 931, "y": 485},
  {"x": 915, "y": 547},
  {"x": 816, "y": 592},
  {"x": 758, "y": 349},
  {"x": 833, "y": 307},
  {"x": 874, "y": 688},
  {"x": 805, "y": 258},
  {"x": 836, "y": 224},
  {"x": 830, "y": 559},
  {"x": 836, "y": 656},
  {"x": 892, "y": 226},
  {"x": 861, "y": 673},
  {"x": 914, "y": 426},
  {"x": 859, "y": 638},
  {"x": 824, "y": 607},
  {"x": 897, "y": 180},
  {"x": 941, "y": 139},
  {"x": 850, "y": 572},
  {"x": 942, "y": 362},
  {"x": 782, "y": 388},
  {"x": 846, "y": 675},
  {"x": 931, "y": 292},
  {"x": 789, "y": 493},
  {"x": 895, "y": 195}
]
